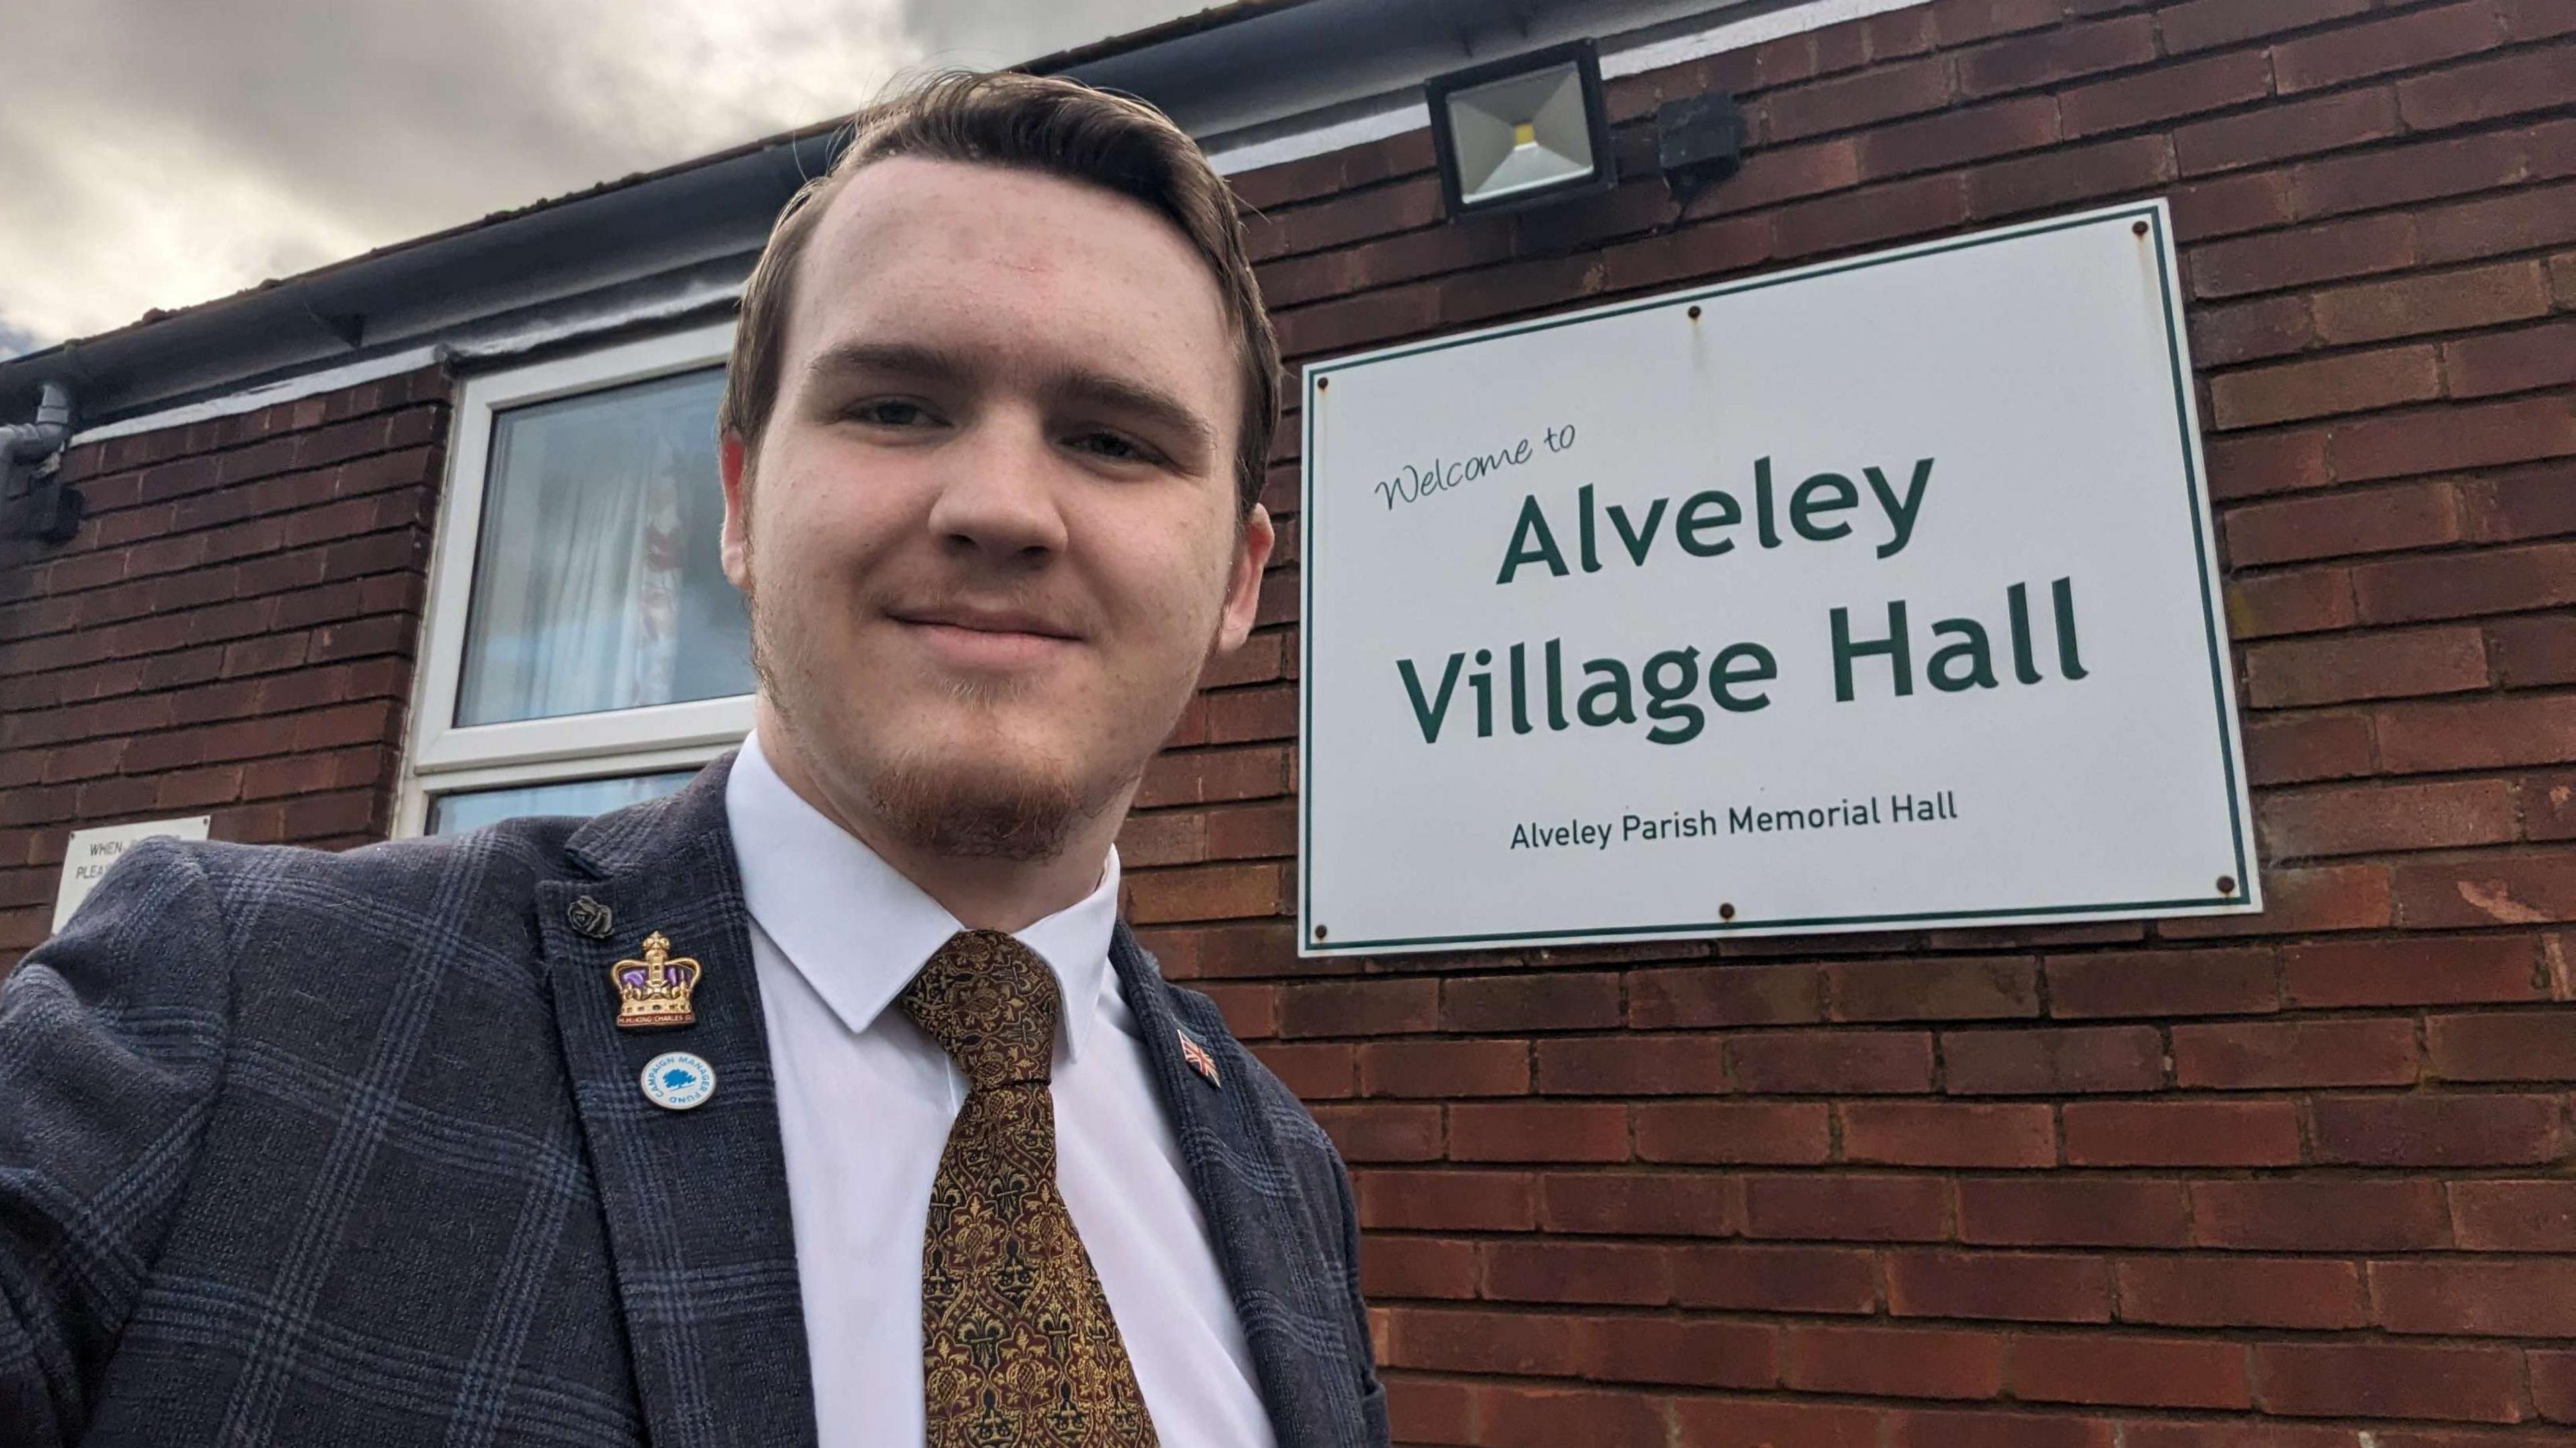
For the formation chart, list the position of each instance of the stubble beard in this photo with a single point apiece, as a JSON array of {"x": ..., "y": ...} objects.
[{"x": 946, "y": 803}]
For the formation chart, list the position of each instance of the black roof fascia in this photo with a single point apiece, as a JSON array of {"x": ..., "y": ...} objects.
[{"x": 415, "y": 292}]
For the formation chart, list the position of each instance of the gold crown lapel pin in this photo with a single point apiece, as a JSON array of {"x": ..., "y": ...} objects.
[{"x": 654, "y": 992}]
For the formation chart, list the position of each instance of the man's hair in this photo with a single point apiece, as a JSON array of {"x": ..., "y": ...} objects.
[{"x": 1036, "y": 123}]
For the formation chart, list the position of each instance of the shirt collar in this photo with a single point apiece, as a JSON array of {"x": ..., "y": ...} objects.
[{"x": 859, "y": 931}]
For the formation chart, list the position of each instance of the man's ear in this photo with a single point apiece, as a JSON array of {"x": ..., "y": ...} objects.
[
  {"x": 733, "y": 461},
  {"x": 1252, "y": 545}
]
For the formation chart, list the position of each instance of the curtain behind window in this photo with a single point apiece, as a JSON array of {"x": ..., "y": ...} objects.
[{"x": 598, "y": 580}]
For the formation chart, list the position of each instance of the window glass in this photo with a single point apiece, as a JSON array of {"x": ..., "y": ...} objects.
[
  {"x": 598, "y": 580},
  {"x": 454, "y": 814}
]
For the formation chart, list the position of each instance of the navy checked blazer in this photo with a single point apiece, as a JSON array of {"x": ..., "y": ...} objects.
[{"x": 311, "y": 1149}]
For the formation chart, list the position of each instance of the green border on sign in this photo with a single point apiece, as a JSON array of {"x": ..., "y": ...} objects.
[{"x": 2248, "y": 899}]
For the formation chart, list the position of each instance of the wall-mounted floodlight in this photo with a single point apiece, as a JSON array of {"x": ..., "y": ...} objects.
[{"x": 1522, "y": 131}]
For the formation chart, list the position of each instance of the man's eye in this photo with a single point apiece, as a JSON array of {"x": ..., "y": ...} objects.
[
  {"x": 890, "y": 412},
  {"x": 1111, "y": 445}
]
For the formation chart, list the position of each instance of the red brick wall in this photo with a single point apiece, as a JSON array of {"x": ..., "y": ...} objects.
[
  {"x": 2299, "y": 1180},
  {"x": 230, "y": 633}
]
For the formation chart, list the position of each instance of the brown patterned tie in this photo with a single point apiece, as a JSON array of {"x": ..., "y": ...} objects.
[{"x": 1018, "y": 1349}]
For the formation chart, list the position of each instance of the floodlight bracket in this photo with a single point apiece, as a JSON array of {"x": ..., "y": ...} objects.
[{"x": 1699, "y": 141}]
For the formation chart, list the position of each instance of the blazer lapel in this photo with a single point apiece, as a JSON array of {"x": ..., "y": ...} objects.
[
  {"x": 1263, "y": 1230},
  {"x": 696, "y": 1200}
]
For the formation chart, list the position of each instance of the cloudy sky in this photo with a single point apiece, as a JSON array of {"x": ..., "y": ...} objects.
[{"x": 156, "y": 153}]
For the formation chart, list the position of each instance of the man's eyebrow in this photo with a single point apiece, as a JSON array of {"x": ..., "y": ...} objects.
[
  {"x": 1078, "y": 387},
  {"x": 906, "y": 359},
  {"x": 1152, "y": 405}
]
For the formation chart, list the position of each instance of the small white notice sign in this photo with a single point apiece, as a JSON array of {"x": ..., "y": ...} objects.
[
  {"x": 1875, "y": 595},
  {"x": 86, "y": 862}
]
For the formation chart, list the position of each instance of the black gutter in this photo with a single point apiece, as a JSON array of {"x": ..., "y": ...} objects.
[{"x": 408, "y": 294}]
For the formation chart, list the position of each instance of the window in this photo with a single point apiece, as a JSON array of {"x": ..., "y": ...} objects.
[
  {"x": 583, "y": 648},
  {"x": 471, "y": 809}
]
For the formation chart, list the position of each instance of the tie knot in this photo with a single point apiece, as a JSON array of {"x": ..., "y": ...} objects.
[{"x": 990, "y": 1003}]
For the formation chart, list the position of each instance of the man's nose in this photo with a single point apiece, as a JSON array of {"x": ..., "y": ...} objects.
[{"x": 997, "y": 496}]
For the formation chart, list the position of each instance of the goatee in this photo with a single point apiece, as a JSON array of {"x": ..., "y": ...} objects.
[
  {"x": 966, "y": 811},
  {"x": 940, "y": 801}
]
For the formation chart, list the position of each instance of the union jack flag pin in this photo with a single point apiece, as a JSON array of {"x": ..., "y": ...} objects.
[{"x": 1199, "y": 1059}]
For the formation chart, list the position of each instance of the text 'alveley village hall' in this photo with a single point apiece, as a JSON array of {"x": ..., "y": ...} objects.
[{"x": 1908, "y": 774}]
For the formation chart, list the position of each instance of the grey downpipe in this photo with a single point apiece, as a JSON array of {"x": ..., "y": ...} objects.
[
  {"x": 39, "y": 504},
  {"x": 31, "y": 441}
]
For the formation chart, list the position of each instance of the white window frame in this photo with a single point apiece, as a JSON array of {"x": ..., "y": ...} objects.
[{"x": 446, "y": 758}]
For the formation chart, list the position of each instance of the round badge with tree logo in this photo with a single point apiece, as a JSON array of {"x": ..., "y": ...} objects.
[{"x": 676, "y": 1080}]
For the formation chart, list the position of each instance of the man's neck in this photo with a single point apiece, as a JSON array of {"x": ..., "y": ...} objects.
[{"x": 983, "y": 892}]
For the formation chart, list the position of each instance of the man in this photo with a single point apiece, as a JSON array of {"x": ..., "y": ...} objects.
[{"x": 825, "y": 1101}]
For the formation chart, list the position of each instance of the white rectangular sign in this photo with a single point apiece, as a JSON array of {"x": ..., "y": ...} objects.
[
  {"x": 91, "y": 852},
  {"x": 1873, "y": 595}
]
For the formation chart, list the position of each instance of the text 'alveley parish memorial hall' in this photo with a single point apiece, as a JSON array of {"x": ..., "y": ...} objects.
[{"x": 1908, "y": 772}]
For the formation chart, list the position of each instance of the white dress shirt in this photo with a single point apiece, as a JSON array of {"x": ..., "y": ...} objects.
[{"x": 865, "y": 1100}]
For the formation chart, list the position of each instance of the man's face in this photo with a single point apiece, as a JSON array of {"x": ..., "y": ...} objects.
[{"x": 990, "y": 533}]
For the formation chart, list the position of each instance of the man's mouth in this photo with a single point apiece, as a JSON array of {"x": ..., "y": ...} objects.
[{"x": 987, "y": 638}]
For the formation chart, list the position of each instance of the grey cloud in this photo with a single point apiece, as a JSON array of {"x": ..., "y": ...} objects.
[
  {"x": 196, "y": 148},
  {"x": 1005, "y": 32}
]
